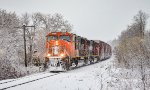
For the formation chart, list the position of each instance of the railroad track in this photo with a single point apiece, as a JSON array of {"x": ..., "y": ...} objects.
[
  {"x": 22, "y": 83},
  {"x": 18, "y": 79},
  {"x": 8, "y": 81}
]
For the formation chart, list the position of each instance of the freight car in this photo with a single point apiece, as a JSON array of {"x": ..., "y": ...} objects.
[{"x": 63, "y": 49}]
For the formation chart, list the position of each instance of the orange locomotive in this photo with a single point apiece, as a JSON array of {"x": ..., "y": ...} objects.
[{"x": 64, "y": 48}]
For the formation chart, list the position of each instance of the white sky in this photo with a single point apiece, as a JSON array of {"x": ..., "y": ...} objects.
[{"x": 93, "y": 19}]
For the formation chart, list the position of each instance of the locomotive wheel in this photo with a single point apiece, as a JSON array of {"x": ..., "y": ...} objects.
[
  {"x": 67, "y": 65},
  {"x": 88, "y": 60},
  {"x": 85, "y": 60},
  {"x": 98, "y": 59},
  {"x": 91, "y": 60},
  {"x": 76, "y": 62}
]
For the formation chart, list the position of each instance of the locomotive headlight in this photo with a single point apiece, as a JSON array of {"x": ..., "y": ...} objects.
[
  {"x": 62, "y": 55},
  {"x": 48, "y": 55},
  {"x": 56, "y": 43}
]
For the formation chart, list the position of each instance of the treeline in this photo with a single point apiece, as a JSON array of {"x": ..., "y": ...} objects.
[
  {"x": 133, "y": 49},
  {"x": 11, "y": 40}
]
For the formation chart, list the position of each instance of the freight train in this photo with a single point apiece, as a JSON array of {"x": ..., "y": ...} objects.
[{"x": 64, "y": 49}]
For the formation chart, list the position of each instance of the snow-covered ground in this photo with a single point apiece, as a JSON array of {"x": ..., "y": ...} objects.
[{"x": 99, "y": 76}]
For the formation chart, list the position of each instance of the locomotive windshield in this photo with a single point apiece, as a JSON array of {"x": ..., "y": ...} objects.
[
  {"x": 67, "y": 38},
  {"x": 52, "y": 38}
]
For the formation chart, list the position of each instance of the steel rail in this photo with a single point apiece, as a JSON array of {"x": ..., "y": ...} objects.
[{"x": 28, "y": 81}]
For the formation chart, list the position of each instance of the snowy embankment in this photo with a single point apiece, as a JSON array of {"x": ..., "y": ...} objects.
[{"x": 99, "y": 76}]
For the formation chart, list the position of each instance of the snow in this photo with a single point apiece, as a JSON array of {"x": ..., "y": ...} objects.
[
  {"x": 84, "y": 78},
  {"x": 99, "y": 76}
]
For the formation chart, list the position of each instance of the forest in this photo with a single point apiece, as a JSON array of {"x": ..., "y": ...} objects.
[
  {"x": 12, "y": 64},
  {"x": 132, "y": 50}
]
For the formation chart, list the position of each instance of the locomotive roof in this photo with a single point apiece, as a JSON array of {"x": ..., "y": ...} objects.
[
  {"x": 98, "y": 41},
  {"x": 68, "y": 33},
  {"x": 59, "y": 33}
]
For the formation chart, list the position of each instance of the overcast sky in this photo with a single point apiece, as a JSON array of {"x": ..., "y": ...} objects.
[{"x": 93, "y": 19}]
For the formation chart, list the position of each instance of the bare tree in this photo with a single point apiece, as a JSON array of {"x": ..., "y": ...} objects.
[
  {"x": 141, "y": 19},
  {"x": 11, "y": 41},
  {"x": 132, "y": 51},
  {"x": 10, "y": 45},
  {"x": 48, "y": 23}
]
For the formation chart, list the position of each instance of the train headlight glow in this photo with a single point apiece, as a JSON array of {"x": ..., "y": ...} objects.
[
  {"x": 48, "y": 55},
  {"x": 62, "y": 55},
  {"x": 56, "y": 43}
]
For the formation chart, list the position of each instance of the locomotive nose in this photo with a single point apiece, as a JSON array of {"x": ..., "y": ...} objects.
[{"x": 56, "y": 49}]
